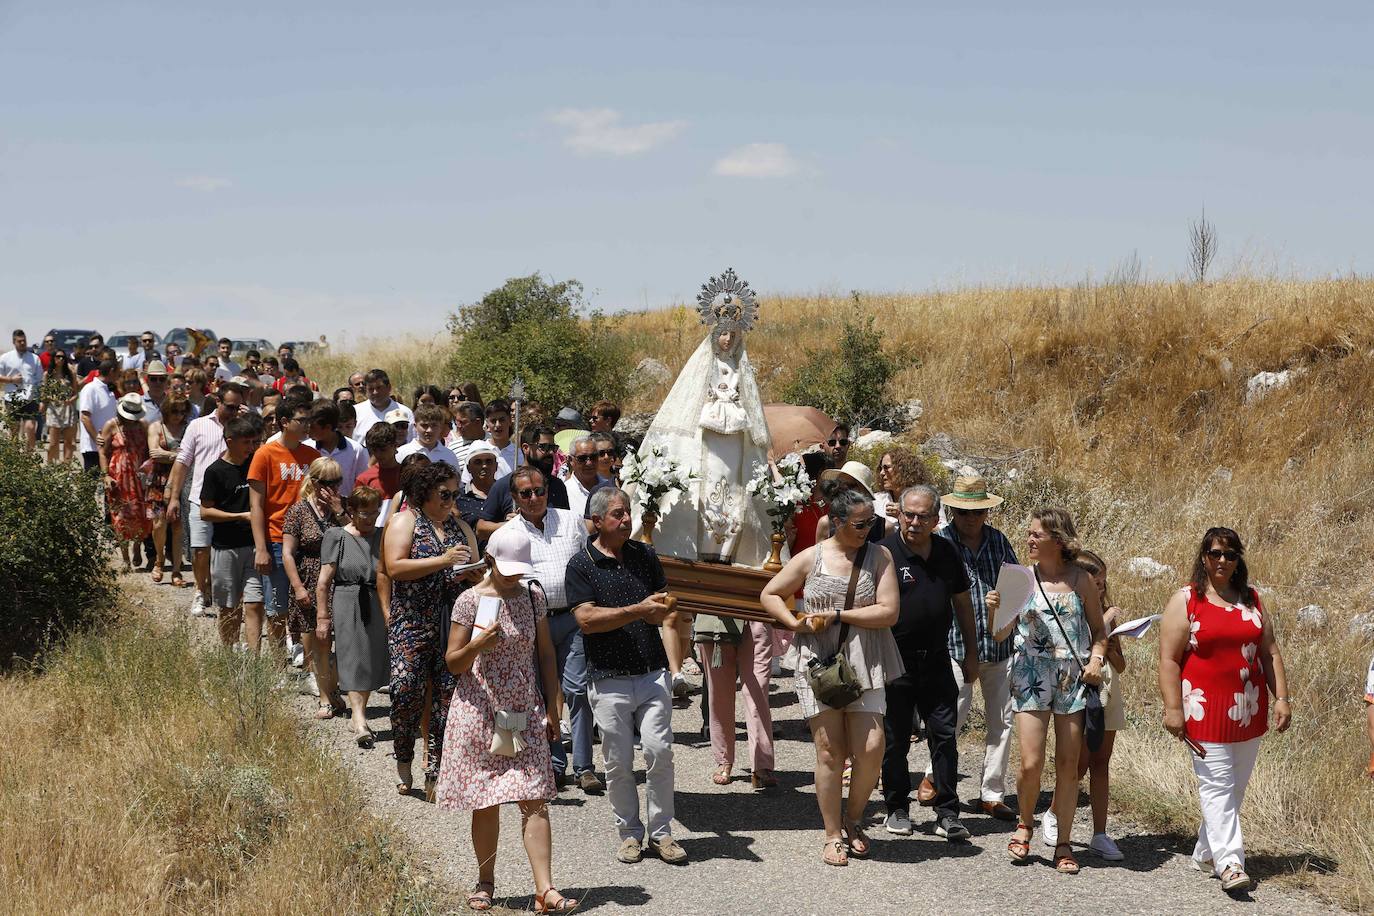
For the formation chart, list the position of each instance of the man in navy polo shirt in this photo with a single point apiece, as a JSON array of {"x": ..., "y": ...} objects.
[
  {"x": 615, "y": 587},
  {"x": 933, "y": 587}
]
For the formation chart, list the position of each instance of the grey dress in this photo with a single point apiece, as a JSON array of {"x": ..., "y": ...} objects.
[{"x": 360, "y": 631}]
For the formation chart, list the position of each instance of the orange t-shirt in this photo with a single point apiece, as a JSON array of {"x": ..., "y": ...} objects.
[{"x": 280, "y": 470}]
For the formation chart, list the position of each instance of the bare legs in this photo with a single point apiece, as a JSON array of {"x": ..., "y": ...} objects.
[
  {"x": 537, "y": 835},
  {"x": 1032, "y": 728},
  {"x": 837, "y": 735},
  {"x": 676, "y": 633}
]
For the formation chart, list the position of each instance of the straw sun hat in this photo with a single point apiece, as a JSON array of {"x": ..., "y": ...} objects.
[
  {"x": 971, "y": 492},
  {"x": 853, "y": 472}
]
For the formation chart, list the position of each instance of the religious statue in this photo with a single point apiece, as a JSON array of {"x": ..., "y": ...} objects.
[{"x": 712, "y": 425}]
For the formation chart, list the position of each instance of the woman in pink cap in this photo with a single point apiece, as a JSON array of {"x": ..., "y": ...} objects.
[{"x": 496, "y": 744}]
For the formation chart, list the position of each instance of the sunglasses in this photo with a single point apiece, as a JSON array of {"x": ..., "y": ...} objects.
[
  {"x": 970, "y": 511},
  {"x": 330, "y": 481},
  {"x": 840, "y": 442},
  {"x": 1230, "y": 556},
  {"x": 446, "y": 495},
  {"x": 455, "y": 397},
  {"x": 231, "y": 408},
  {"x": 606, "y": 453},
  {"x": 546, "y": 447},
  {"x": 923, "y": 516},
  {"x": 531, "y": 492},
  {"x": 585, "y": 459},
  {"x": 864, "y": 524}
]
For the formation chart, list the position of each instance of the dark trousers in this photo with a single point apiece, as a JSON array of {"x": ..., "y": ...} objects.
[{"x": 928, "y": 687}]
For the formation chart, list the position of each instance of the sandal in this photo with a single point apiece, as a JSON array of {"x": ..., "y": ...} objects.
[
  {"x": 859, "y": 844},
  {"x": 834, "y": 853},
  {"x": 177, "y": 581},
  {"x": 431, "y": 788},
  {"x": 157, "y": 576},
  {"x": 366, "y": 740},
  {"x": 721, "y": 777},
  {"x": 561, "y": 905},
  {"x": 480, "y": 898},
  {"x": 1018, "y": 848},
  {"x": 1065, "y": 864},
  {"x": 763, "y": 779},
  {"x": 1234, "y": 878},
  {"x": 404, "y": 781},
  {"x": 326, "y": 711}
]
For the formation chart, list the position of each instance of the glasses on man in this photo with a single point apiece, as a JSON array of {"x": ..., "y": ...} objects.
[
  {"x": 589, "y": 458},
  {"x": 606, "y": 453},
  {"x": 531, "y": 492},
  {"x": 923, "y": 516},
  {"x": 546, "y": 446},
  {"x": 147, "y": 341},
  {"x": 840, "y": 443},
  {"x": 1229, "y": 556},
  {"x": 967, "y": 512}
]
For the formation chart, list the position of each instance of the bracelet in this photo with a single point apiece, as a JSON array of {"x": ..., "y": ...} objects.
[{"x": 1282, "y": 700}]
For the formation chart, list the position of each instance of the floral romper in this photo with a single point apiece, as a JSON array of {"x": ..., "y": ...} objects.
[
  {"x": 1044, "y": 672},
  {"x": 418, "y": 632}
]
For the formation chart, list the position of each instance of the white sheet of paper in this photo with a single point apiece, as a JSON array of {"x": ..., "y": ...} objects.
[
  {"x": 1135, "y": 628},
  {"x": 387, "y": 506},
  {"x": 464, "y": 567},
  {"x": 1015, "y": 585},
  {"x": 488, "y": 607}
]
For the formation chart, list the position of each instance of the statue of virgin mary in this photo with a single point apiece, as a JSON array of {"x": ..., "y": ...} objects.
[{"x": 712, "y": 424}]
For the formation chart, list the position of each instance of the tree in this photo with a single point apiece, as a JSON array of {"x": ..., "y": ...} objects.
[
  {"x": 1202, "y": 246},
  {"x": 536, "y": 330},
  {"x": 851, "y": 380}
]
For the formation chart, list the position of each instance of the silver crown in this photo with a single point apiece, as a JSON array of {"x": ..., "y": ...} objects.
[{"x": 727, "y": 303}]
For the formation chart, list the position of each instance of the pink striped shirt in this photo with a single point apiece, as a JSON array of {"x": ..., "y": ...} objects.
[{"x": 201, "y": 444}]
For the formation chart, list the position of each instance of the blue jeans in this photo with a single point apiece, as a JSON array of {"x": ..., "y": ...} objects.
[
  {"x": 572, "y": 672},
  {"x": 278, "y": 591}
]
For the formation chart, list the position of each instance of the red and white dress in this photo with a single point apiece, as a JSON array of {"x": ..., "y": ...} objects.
[{"x": 1225, "y": 696}]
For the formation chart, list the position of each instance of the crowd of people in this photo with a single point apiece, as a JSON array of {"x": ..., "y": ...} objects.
[{"x": 491, "y": 586}]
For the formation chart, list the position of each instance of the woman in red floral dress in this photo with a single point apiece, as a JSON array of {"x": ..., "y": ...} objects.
[
  {"x": 123, "y": 449},
  {"x": 1218, "y": 660}
]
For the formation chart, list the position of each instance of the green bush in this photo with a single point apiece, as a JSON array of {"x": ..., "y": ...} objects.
[
  {"x": 54, "y": 576},
  {"x": 536, "y": 330},
  {"x": 850, "y": 380}
]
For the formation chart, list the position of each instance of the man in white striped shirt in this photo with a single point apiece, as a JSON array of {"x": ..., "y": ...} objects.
[{"x": 556, "y": 535}]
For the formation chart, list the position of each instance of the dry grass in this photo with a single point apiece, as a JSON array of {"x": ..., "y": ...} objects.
[
  {"x": 139, "y": 775},
  {"x": 1121, "y": 402}
]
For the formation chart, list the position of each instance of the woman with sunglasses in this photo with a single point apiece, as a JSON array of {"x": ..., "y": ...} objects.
[
  {"x": 317, "y": 509},
  {"x": 824, "y": 573},
  {"x": 420, "y": 549},
  {"x": 1218, "y": 662}
]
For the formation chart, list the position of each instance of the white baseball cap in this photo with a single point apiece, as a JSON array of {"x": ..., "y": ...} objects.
[{"x": 509, "y": 547}]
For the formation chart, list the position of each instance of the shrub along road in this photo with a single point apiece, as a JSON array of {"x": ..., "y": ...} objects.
[{"x": 760, "y": 852}]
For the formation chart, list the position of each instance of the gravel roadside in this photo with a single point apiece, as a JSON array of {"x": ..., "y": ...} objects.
[{"x": 760, "y": 852}]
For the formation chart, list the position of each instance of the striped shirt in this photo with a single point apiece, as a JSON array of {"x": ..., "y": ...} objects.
[
  {"x": 551, "y": 547},
  {"x": 201, "y": 444},
  {"x": 982, "y": 570}
]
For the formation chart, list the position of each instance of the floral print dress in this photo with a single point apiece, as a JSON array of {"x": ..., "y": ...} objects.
[
  {"x": 1044, "y": 667},
  {"x": 1225, "y": 695},
  {"x": 131, "y": 514},
  {"x": 308, "y": 527},
  {"x": 502, "y": 678}
]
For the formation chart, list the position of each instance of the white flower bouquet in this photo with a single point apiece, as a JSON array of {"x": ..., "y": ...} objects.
[
  {"x": 784, "y": 486},
  {"x": 654, "y": 476}
]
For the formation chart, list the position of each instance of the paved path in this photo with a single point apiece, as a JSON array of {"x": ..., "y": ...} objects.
[{"x": 760, "y": 853}]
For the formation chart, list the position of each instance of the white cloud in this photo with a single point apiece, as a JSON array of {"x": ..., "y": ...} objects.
[
  {"x": 757, "y": 160},
  {"x": 206, "y": 183},
  {"x": 599, "y": 130}
]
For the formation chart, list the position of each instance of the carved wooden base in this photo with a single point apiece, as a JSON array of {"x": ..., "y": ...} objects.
[{"x": 714, "y": 588}]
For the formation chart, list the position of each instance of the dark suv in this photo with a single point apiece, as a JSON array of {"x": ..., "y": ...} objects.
[{"x": 68, "y": 338}]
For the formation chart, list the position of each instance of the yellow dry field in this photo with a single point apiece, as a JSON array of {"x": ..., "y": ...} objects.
[
  {"x": 140, "y": 775},
  {"x": 1128, "y": 405}
]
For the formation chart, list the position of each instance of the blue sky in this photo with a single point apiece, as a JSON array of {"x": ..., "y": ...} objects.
[{"x": 286, "y": 169}]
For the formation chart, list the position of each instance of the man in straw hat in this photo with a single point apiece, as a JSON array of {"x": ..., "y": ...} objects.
[{"x": 983, "y": 550}]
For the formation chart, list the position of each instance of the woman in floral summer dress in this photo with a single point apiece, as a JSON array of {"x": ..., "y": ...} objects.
[
  {"x": 123, "y": 449},
  {"x": 1217, "y": 661},
  {"x": 496, "y": 744},
  {"x": 1060, "y": 646}
]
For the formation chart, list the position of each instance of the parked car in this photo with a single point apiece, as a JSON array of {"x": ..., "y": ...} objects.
[
  {"x": 262, "y": 345},
  {"x": 182, "y": 338},
  {"x": 68, "y": 338},
  {"x": 120, "y": 342}
]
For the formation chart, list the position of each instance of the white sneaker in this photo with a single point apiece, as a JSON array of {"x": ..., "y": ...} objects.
[
  {"x": 198, "y": 605},
  {"x": 298, "y": 656},
  {"x": 1049, "y": 829},
  {"x": 310, "y": 685},
  {"x": 1104, "y": 846}
]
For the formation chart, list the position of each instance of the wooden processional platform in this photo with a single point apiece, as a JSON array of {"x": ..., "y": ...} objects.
[{"x": 715, "y": 588}]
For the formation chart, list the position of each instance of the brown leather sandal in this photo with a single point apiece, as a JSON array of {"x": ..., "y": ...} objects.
[
  {"x": 834, "y": 853},
  {"x": 561, "y": 905},
  {"x": 1065, "y": 864},
  {"x": 1018, "y": 848},
  {"x": 480, "y": 898},
  {"x": 859, "y": 846}
]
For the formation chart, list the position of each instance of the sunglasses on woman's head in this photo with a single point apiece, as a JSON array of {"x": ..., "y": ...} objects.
[
  {"x": 1230, "y": 556},
  {"x": 530, "y": 492}
]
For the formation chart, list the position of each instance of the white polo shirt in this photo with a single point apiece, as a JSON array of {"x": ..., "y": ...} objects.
[
  {"x": 368, "y": 416},
  {"x": 440, "y": 452}
]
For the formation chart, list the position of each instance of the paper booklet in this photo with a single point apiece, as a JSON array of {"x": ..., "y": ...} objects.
[
  {"x": 488, "y": 606},
  {"x": 1015, "y": 586},
  {"x": 1135, "y": 628}
]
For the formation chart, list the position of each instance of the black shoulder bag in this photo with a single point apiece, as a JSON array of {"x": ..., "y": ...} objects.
[
  {"x": 1094, "y": 716},
  {"x": 833, "y": 680}
]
